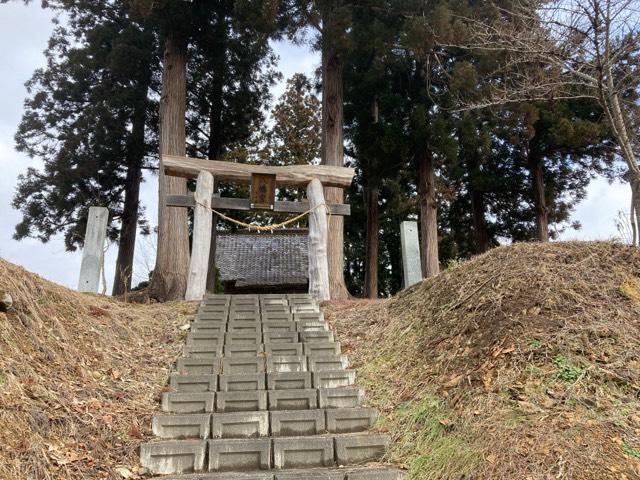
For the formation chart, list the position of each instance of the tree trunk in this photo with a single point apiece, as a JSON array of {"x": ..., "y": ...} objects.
[
  {"x": 333, "y": 153},
  {"x": 135, "y": 158},
  {"x": 169, "y": 280},
  {"x": 480, "y": 232},
  {"x": 428, "y": 215},
  {"x": 536, "y": 169},
  {"x": 373, "y": 227},
  {"x": 129, "y": 228}
]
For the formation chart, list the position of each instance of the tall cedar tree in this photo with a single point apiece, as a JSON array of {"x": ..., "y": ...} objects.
[
  {"x": 329, "y": 20},
  {"x": 87, "y": 118},
  {"x": 374, "y": 134},
  {"x": 226, "y": 48}
]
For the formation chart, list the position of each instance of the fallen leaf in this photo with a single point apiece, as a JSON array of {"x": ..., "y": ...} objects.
[{"x": 124, "y": 472}]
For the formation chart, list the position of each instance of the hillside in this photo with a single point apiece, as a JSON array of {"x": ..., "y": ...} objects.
[
  {"x": 523, "y": 363},
  {"x": 80, "y": 377}
]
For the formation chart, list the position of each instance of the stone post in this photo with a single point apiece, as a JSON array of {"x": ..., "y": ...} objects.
[
  {"x": 93, "y": 252},
  {"x": 411, "y": 265}
]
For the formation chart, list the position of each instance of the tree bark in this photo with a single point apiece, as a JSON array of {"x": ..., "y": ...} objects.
[
  {"x": 129, "y": 228},
  {"x": 135, "y": 158},
  {"x": 480, "y": 231},
  {"x": 373, "y": 227},
  {"x": 169, "y": 280},
  {"x": 536, "y": 170},
  {"x": 428, "y": 215},
  {"x": 333, "y": 152}
]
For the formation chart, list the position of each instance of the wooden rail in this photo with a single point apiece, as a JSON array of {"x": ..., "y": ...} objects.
[
  {"x": 291, "y": 175},
  {"x": 244, "y": 204}
]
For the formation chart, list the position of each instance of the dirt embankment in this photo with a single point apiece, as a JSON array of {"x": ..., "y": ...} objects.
[
  {"x": 523, "y": 363},
  {"x": 80, "y": 376}
]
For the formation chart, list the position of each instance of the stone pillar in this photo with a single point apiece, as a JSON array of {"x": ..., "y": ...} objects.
[
  {"x": 93, "y": 252},
  {"x": 411, "y": 265}
]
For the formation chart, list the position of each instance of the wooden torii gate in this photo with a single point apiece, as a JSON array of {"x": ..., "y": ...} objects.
[{"x": 263, "y": 180}]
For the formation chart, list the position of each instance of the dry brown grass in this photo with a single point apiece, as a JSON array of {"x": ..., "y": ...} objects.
[
  {"x": 80, "y": 377},
  {"x": 523, "y": 363}
]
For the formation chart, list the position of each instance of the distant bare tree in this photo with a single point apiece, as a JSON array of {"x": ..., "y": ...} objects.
[{"x": 565, "y": 49}]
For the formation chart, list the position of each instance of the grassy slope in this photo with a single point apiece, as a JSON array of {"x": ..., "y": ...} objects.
[
  {"x": 523, "y": 363},
  {"x": 80, "y": 376}
]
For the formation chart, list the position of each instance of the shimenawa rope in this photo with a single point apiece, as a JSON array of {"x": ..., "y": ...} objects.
[{"x": 267, "y": 228}]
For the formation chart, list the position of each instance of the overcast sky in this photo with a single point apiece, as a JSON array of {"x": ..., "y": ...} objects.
[{"x": 23, "y": 35}]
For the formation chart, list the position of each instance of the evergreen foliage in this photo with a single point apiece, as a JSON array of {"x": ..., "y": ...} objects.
[{"x": 501, "y": 174}]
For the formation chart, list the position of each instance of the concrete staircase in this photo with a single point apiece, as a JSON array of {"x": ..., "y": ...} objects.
[{"x": 264, "y": 393}]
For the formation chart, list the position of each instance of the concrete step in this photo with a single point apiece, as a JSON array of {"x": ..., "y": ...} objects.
[
  {"x": 211, "y": 318},
  {"x": 166, "y": 458},
  {"x": 244, "y": 317},
  {"x": 247, "y": 401},
  {"x": 243, "y": 350},
  {"x": 282, "y": 307},
  {"x": 243, "y": 338},
  {"x": 350, "y": 420},
  {"x": 363, "y": 473},
  {"x": 360, "y": 448},
  {"x": 243, "y": 365},
  {"x": 231, "y": 454},
  {"x": 182, "y": 426},
  {"x": 271, "y": 315},
  {"x": 242, "y": 382},
  {"x": 300, "y": 316},
  {"x": 339, "y": 474},
  {"x": 278, "y": 423},
  {"x": 203, "y": 351},
  {"x": 195, "y": 402},
  {"x": 328, "y": 363},
  {"x": 279, "y": 326},
  {"x": 349, "y": 397},
  {"x": 311, "y": 326},
  {"x": 198, "y": 366},
  {"x": 209, "y": 327},
  {"x": 286, "y": 363},
  {"x": 297, "y": 422},
  {"x": 240, "y": 424},
  {"x": 214, "y": 310},
  {"x": 289, "y": 381},
  {"x": 334, "y": 378},
  {"x": 306, "y": 399},
  {"x": 264, "y": 393},
  {"x": 205, "y": 338},
  {"x": 319, "y": 337},
  {"x": 273, "y": 301},
  {"x": 281, "y": 337},
  {"x": 251, "y": 400},
  {"x": 193, "y": 383},
  {"x": 244, "y": 454},
  {"x": 216, "y": 301},
  {"x": 302, "y": 452},
  {"x": 322, "y": 349},
  {"x": 245, "y": 327},
  {"x": 284, "y": 349}
]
